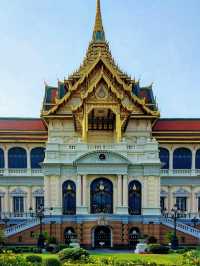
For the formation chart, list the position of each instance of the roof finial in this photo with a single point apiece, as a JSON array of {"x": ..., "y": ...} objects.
[{"x": 98, "y": 34}]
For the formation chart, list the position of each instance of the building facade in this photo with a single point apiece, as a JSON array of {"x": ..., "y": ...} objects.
[{"x": 100, "y": 160}]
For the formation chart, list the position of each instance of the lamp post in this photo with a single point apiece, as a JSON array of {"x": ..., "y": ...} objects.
[
  {"x": 175, "y": 212},
  {"x": 195, "y": 221},
  {"x": 41, "y": 238}
]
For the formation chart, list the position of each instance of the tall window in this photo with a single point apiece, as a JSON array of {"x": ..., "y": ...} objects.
[
  {"x": 182, "y": 159},
  {"x": 2, "y": 162},
  {"x": 164, "y": 158},
  {"x": 39, "y": 202},
  {"x": 17, "y": 158},
  {"x": 37, "y": 157},
  {"x": 69, "y": 198},
  {"x": 18, "y": 204},
  {"x": 197, "y": 160},
  {"x": 198, "y": 204},
  {"x": 181, "y": 203},
  {"x": 101, "y": 196},
  {"x": 162, "y": 203},
  {"x": 135, "y": 198}
]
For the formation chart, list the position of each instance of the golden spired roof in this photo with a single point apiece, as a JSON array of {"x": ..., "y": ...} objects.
[{"x": 98, "y": 34}]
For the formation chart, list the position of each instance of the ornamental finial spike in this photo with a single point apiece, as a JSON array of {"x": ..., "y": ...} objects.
[{"x": 98, "y": 34}]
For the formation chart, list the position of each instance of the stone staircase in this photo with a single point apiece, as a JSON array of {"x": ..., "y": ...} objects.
[
  {"x": 10, "y": 231},
  {"x": 184, "y": 228}
]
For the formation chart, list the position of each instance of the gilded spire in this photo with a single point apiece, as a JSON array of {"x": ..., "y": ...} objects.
[{"x": 98, "y": 34}]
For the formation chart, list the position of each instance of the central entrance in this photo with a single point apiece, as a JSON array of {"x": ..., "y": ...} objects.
[{"x": 102, "y": 237}]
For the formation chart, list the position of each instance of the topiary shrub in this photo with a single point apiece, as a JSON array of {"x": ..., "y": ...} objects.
[
  {"x": 73, "y": 254},
  {"x": 151, "y": 240},
  {"x": 52, "y": 262},
  {"x": 34, "y": 259},
  {"x": 158, "y": 249}
]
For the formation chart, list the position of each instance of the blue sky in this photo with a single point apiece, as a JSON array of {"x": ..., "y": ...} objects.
[{"x": 153, "y": 40}]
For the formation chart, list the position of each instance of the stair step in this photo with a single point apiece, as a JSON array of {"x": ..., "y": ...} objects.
[
  {"x": 10, "y": 231},
  {"x": 182, "y": 227}
]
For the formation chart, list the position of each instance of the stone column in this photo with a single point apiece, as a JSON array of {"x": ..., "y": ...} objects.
[
  {"x": 119, "y": 191},
  {"x": 47, "y": 192},
  {"x": 7, "y": 201},
  {"x": 153, "y": 198},
  {"x": 193, "y": 160},
  {"x": 125, "y": 191},
  {"x": 122, "y": 194},
  {"x": 171, "y": 161},
  {"x": 55, "y": 192},
  {"x": 170, "y": 198},
  {"x": 6, "y": 157},
  {"x": 81, "y": 195}
]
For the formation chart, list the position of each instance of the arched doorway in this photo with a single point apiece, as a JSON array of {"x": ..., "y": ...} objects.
[
  {"x": 135, "y": 198},
  {"x": 134, "y": 235},
  {"x": 69, "y": 198},
  {"x": 102, "y": 237},
  {"x": 101, "y": 196},
  {"x": 69, "y": 235}
]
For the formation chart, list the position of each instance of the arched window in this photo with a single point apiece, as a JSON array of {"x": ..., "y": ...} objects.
[
  {"x": 37, "y": 157},
  {"x": 135, "y": 198},
  {"x": 2, "y": 162},
  {"x": 134, "y": 235},
  {"x": 101, "y": 196},
  {"x": 69, "y": 235},
  {"x": 164, "y": 158},
  {"x": 197, "y": 160},
  {"x": 182, "y": 159},
  {"x": 69, "y": 198},
  {"x": 17, "y": 158}
]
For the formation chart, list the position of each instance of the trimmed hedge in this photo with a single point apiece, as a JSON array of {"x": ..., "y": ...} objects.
[
  {"x": 34, "y": 259},
  {"x": 73, "y": 254},
  {"x": 158, "y": 249},
  {"x": 52, "y": 262}
]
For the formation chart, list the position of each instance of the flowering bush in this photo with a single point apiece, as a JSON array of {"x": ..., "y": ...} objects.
[
  {"x": 73, "y": 254},
  {"x": 9, "y": 259},
  {"x": 191, "y": 258}
]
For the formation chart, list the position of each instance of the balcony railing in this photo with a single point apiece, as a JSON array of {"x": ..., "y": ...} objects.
[
  {"x": 21, "y": 172},
  {"x": 180, "y": 172}
]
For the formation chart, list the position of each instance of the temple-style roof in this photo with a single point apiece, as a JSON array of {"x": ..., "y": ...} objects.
[
  {"x": 22, "y": 130},
  {"x": 98, "y": 53},
  {"x": 177, "y": 124},
  {"x": 177, "y": 130}
]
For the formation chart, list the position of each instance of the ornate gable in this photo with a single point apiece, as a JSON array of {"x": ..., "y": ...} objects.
[{"x": 99, "y": 83}]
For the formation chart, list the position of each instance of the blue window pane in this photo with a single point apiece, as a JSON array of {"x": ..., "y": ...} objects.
[
  {"x": 135, "y": 198},
  {"x": 18, "y": 204},
  {"x": 197, "y": 160},
  {"x": 164, "y": 158},
  {"x": 182, "y": 159},
  {"x": 181, "y": 203},
  {"x": 101, "y": 194},
  {"x": 17, "y": 158},
  {"x": 69, "y": 198},
  {"x": 39, "y": 202},
  {"x": 37, "y": 157},
  {"x": 2, "y": 163}
]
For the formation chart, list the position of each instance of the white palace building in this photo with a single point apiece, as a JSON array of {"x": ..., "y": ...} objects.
[{"x": 100, "y": 160}]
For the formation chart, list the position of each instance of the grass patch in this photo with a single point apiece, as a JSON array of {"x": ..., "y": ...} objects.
[{"x": 169, "y": 259}]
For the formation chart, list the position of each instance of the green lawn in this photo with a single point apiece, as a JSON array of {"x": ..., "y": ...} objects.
[{"x": 170, "y": 259}]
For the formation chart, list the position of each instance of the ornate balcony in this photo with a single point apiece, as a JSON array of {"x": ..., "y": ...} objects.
[
  {"x": 180, "y": 172},
  {"x": 21, "y": 172}
]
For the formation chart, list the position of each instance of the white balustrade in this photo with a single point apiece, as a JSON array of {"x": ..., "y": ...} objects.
[
  {"x": 21, "y": 172},
  {"x": 182, "y": 227},
  {"x": 180, "y": 172},
  {"x": 21, "y": 227}
]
